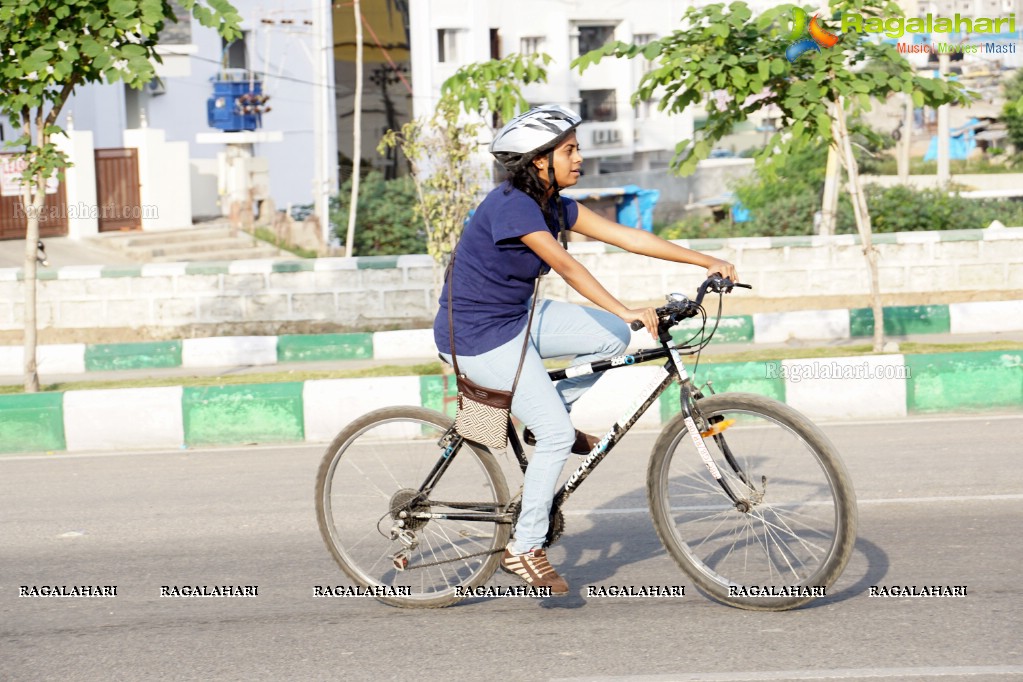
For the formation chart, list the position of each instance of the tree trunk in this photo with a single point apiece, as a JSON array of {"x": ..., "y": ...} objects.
[
  {"x": 356, "y": 133},
  {"x": 33, "y": 194},
  {"x": 840, "y": 134},
  {"x": 829, "y": 205}
]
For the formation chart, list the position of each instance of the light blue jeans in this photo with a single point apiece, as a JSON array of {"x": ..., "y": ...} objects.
[{"x": 559, "y": 329}]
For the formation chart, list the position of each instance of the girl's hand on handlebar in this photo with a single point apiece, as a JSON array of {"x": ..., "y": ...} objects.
[
  {"x": 645, "y": 317},
  {"x": 723, "y": 268}
]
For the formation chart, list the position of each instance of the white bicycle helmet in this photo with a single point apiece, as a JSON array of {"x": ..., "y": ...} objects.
[{"x": 528, "y": 134}]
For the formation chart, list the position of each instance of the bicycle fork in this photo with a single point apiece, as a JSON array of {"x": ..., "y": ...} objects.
[{"x": 716, "y": 427}]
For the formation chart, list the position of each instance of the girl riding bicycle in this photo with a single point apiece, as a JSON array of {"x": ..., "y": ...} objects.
[{"x": 511, "y": 240}]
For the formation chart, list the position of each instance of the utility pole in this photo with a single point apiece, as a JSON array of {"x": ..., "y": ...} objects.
[
  {"x": 323, "y": 118},
  {"x": 944, "y": 174},
  {"x": 356, "y": 133},
  {"x": 905, "y": 144}
]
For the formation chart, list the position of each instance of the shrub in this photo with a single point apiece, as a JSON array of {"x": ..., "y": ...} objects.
[{"x": 388, "y": 221}]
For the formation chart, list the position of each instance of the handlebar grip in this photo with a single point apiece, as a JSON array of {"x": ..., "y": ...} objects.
[{"x": 636, "y": 325}]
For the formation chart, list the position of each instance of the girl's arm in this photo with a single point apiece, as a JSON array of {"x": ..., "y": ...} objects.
[
  {"x": 646, "y": 243},
  {"x": 544, "y": 245}
]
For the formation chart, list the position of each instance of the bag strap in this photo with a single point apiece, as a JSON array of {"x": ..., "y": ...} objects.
[{"x": 449, "y": 278}]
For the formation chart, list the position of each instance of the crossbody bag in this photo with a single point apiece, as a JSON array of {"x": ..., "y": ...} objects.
[{"x": 482, "y": 413}]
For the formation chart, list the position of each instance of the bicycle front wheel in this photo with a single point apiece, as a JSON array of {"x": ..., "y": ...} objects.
[
  {"x": 386, "y": 533},
  {"x": 791, "y": 530}
]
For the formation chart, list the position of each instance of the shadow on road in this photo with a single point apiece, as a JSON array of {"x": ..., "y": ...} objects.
[{"x": 616, "y": 541}]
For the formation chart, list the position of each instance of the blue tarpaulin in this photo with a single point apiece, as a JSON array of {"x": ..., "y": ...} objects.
[
  {"x": 961, "y": 142},
  {"x": 634, "y": 206}
]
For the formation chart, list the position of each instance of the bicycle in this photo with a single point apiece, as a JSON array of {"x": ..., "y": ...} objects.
[{"x": 748, "y": 496}]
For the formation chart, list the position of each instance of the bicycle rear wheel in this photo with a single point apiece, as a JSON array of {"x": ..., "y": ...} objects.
[
  {"x": 793, "y": 531},
  {"x": 369, "y": 480}
]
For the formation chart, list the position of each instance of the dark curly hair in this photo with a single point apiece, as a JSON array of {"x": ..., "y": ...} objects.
[{"x": 527, "y": 179}]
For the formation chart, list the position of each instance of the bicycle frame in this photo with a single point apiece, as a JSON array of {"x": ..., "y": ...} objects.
[{"x": 674, "y": 371}]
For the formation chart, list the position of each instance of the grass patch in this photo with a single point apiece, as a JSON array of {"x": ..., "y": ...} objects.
[
  {"x": 236, "y": 379},
  {"x": 267, "y": 235},
  {"x": 433, "y": 368}
]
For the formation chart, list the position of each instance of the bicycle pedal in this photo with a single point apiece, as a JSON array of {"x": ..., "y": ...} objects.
[{"x": 401, "y": 560}]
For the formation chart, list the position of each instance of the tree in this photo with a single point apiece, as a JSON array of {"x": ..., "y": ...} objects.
[
  {"x": 1012, "y": 111},
  {"x": 737, "y": 63},
  {"x": 441, "y": 149},
  {"x": 52, "y": 46}
]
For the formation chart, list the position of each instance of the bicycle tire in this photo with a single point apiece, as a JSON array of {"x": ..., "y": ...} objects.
[
  {"x": 803, "y": 527},
  {"x": 380, "y": 458}
]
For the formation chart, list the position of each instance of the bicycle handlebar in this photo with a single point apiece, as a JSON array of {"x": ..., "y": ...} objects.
[{"x": 678, "y": 310}]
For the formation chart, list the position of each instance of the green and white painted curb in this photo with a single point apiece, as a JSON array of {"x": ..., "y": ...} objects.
[
  {"x": 234, "y": 351},
  {"x": 866, "y": 387}
]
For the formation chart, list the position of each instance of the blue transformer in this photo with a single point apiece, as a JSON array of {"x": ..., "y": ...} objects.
[{"x": 237, "y": 102}]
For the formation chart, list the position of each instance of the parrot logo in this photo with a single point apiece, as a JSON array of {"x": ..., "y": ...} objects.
[{"x": 817, "y": 39}]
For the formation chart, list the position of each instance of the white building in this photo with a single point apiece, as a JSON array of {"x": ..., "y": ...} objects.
[
  {"x": 447, "y": 34},
  {"x": 278, "y": 44}
]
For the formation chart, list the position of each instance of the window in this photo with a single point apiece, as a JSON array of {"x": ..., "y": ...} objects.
[
  {"x": 448, "y": 44},
  {"x": 593, "y": 37},
  {"x": 598, "y": 105},
  {"x": 235, "y": 53},
  {"x": 180, "y": 32},
  {"x": 644, "y": 39},
  {"x": 645, "y": 108},
  {"x": 531, "y": 45}
]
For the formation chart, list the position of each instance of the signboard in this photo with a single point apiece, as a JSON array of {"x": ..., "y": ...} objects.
[{"x": 11, "y": 168}]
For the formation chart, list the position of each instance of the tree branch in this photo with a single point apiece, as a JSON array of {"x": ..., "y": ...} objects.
[{"x": 62, "y": 98}]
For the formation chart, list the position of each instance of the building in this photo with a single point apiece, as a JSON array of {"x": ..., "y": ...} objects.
[
  {"x": 278, "y": 48},
  {"x": 447, "y": 34}
]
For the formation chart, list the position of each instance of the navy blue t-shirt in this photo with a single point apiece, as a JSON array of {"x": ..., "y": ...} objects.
[{"x": 494, "y": 272}]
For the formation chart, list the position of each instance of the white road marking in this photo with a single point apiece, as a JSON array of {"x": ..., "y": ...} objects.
[{"x": 827, "y": 674}]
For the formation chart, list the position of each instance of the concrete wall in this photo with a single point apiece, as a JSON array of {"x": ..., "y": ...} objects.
[{"x": 375, "y": 293}]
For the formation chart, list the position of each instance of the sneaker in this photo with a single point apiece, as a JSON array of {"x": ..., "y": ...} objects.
[
  {"x": 583, "y": 444},
  {"x": 534, "y": 568}
]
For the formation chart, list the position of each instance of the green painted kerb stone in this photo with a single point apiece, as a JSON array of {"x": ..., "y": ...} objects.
[
  {"x": 294, "y": 266},
  {"x": 121, "y": 271},
  {"x": 32, "y": 422},
  {"x": 902, "y": 320},
  {"x": 376, "y": 262},
  {"x": 952, "y": 381},
  {"x": 254, "y": 413},
  {"x": 313, "y": 347},
  {"x": 763, "y": 378},
  {"x": 207, "y": 268},
  {"x": 733, "y": 329},
  {"x": 103, "y": 357},
  {"x": 439, "y": 393}
]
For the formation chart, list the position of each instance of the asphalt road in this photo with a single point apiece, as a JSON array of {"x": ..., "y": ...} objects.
[{"x": 940, "y": 504}]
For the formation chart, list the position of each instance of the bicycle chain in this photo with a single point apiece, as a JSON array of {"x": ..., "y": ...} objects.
[{"x": 453, "y": 505}]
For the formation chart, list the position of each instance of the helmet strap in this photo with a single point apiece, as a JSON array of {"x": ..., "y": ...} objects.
[{"x": 555, "y": 194}]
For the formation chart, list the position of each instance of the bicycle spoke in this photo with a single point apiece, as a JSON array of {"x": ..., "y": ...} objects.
[
  {"x": 788, "y": 528},
  {"x": 371, "y": 541}
]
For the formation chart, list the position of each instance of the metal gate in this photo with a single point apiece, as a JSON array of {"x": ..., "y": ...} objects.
[
  {"x": 117, "y": 189},
  {"x": 13, "y": 220}
]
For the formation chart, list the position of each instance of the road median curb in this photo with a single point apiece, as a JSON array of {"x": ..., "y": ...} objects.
[{"x": 861, "y": 387}]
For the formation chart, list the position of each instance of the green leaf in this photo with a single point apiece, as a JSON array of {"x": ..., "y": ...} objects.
[{"x": 738, "y": 77}]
